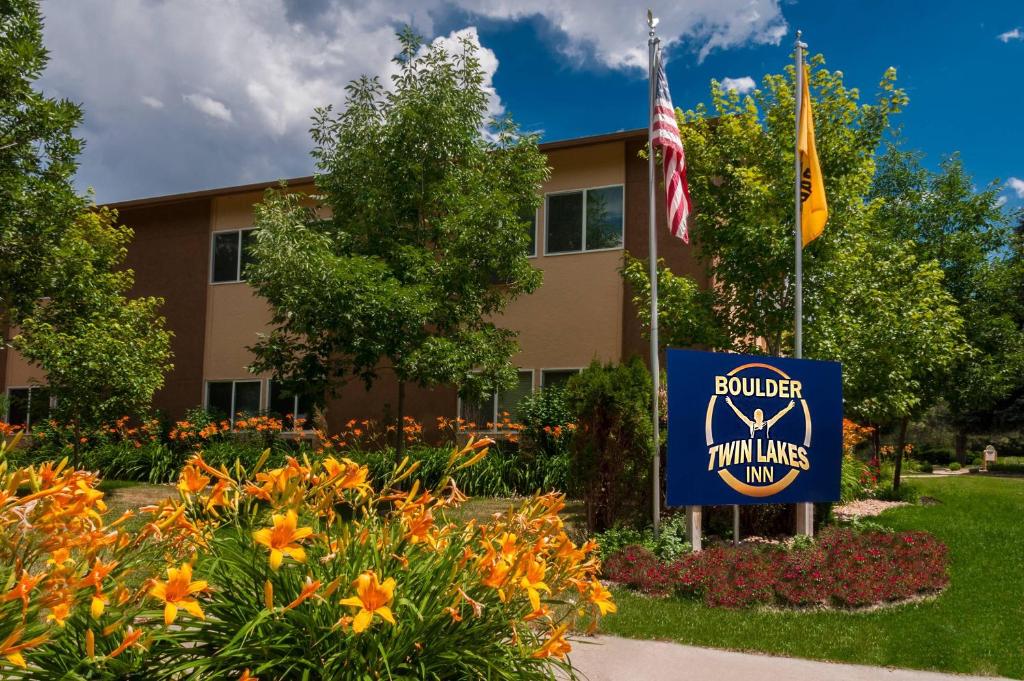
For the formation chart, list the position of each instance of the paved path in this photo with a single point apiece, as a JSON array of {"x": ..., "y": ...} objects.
[{"x": 609, "y": 658}]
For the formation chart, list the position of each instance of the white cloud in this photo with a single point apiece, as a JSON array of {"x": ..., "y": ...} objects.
[
  {"x": 1015, "y": 34},
  {"x": 1001, "y": 201},
  {"x": 615, "y": 33},
  {"x": 742, "y": 85},
  {"x": 1016, "y": 185},
  {"x": 209, "y": 106},
  {"x": 264, "y": 65}
]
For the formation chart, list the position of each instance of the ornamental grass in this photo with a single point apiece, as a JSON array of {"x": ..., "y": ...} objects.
[{"x": 306, "y": 571}]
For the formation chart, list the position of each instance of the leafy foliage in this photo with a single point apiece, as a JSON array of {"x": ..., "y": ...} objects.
[
  {"x": 613, "y": 444},
  {"x": 104, "y": 354},
  {"x": 842, "y": 567},
  {"x": 971, "y": 237},
  {"x": 38, "y": 158},
  {"x": 740, "y": 156},
  {"x": 300, "y": 571},
  {"x": 425, "y": 198}
]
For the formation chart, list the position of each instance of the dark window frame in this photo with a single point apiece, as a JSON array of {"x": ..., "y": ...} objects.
[
  {"x": 240, "y": 260},
  {"x": 494, "y": 400},
  {"x": 295, "y": 411},
  {"x": 233, "y": 414},
  {"x": 29, "y": 389},
  {"x": 557, "y": 370},
  {"x": 583, "y": 192}
]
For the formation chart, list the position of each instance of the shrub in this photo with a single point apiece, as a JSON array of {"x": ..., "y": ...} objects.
[
  {"x": 301, "y": 571},
  {"x": 638, "y": 568},
  {"x": 927, "y": 468},
  {"x": 843, "y": 568},
  {"x": 670, "y": 543},
  {"x": 547, "y": 422},
  {"x": 613, "y": 440},
  {"x": 1006, "y": 467},
  {"x": 905, "y": 492},
  {"x": 955, "y": 466}
]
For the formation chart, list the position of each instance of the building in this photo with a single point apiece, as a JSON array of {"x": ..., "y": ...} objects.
[{"x": 189, "y": 249}]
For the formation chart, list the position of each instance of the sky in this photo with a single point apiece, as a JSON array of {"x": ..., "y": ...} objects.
[{"x": 182, "y": 95}]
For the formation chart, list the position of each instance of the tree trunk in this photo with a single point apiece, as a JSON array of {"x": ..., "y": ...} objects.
[
  {"x": 400, "y": 430},
  {"x": 961, "y": 447},
  {"x": 76, "y": 458},
  {"x": 876, "y": 441},
  {"x": 901, "y": 442}
]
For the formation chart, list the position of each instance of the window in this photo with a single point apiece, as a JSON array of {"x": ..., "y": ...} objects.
[
  {"x": 26, "y": 407},
  {"x": 230, "y": 398},
  {"x": 584, "y": 220},
  {"x": 232, "y": 251},
  {"x": 551, "y": 378},
  {"x": 284, "y": 404},
  {"x": 490, "y": 409}
]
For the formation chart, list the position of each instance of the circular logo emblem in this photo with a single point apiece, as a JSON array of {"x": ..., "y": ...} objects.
[{"x": 758, "y": 430}]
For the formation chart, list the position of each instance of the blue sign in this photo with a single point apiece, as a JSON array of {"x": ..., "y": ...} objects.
[{"x": 752, "y": 430}]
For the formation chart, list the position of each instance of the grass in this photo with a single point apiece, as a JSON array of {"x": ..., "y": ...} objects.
[{"x": 973, "y": 627}]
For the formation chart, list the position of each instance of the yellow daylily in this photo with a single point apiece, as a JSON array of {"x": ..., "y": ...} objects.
[
  {"x": 282, "y": 537},
  {"x": 533, "y": 581},
  {"x": 176, "y": 593},
  {"x": 373, "y": 598}
]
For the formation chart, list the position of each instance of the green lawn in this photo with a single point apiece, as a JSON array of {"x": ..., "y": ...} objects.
[{"x": 976, "y": 626}]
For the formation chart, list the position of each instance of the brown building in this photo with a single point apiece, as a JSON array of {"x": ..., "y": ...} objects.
[{"x": 189, "y": 248}]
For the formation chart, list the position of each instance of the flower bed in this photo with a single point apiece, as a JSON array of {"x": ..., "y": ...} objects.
[
  {"x": 842, "y": 568},
  {"x": 307, "y": 570}
]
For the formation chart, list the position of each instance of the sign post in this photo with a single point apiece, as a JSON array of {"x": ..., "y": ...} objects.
[{"x": 751, "y": 430}]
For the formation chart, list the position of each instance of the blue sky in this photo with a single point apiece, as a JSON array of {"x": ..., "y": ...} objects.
[
  {"x": 966, "y": 86},
  {"x": 190, "y": 95}
]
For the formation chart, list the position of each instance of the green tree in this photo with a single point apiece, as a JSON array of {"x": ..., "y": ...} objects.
[
  {"x": 104, "y": 354},
  {"x": 424, "y": 242},
  {"x": 740, "y": 160},
  {"x": 38, "y": 152},
  {"x": 871, "y": 300},
  {"x": 886, "y": 316},
  {"x": 970, "y": 236}
]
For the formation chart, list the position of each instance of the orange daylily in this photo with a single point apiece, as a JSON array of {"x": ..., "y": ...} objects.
[
  {"x": 192, "y": 480},
  {"x": 11, "y": 649},
  {"x": 308, "y": 591},
  {"x": 130, "y": 637},
  {"x": 176, "y": 593},
  {"x": 374, "y": 599},
  {"x": 282, "y": 537},
  {"x": 556, "y": 645}
]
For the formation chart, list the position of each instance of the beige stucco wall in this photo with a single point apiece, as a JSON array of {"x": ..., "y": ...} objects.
[
  {"x": 234, "y": 315},
  {"x": 576, "y": 314},
  {"x": 20, "y": 373}
]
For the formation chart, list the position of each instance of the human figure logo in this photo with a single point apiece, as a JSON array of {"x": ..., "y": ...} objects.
[{"x": 761, "y": 464}]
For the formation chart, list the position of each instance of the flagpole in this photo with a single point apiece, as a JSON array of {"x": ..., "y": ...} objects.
[
  {"x": 798, "y": 341},
  {"x": 652, "y": 48},
  {"x": 804, "y": 511}
]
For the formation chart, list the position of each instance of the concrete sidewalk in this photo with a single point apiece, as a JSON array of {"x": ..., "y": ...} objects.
[{"x": 609, "y": 658}]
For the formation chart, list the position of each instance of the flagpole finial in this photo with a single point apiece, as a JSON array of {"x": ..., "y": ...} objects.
[
  {"x": 799, "y": 43},
  {"x": 652, "y": 22}
]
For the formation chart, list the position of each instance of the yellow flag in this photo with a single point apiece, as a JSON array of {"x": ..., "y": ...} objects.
[{"x": 814, "y": 208}]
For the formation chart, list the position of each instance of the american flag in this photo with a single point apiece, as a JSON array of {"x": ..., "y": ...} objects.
[{"x": 665, "y": 134}]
